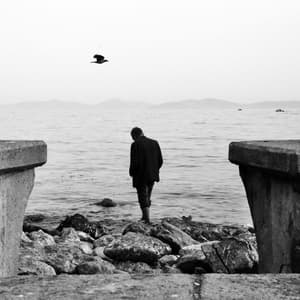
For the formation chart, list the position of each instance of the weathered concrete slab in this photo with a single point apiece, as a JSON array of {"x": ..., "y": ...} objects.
[
  {"x": 278, "y": 155},
  {"x": 106, "y": 287},
  {"x": 165, "y": 286},
  {"x": 242, "y": 286},
  {"x": 17, "y": 162},
  {"x": 21, "y": 155}
]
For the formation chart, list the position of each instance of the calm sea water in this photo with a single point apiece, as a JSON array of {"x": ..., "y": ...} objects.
[{"x": 88, "y": 158}]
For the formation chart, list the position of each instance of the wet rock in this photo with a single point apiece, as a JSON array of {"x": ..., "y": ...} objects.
[
  {"x": 86, "y": 247},
  {"x": 68, "y": 234},
  {"x": 139, "y": 227},
  {"x": 80, "y": 223},
  {"x": 137, "y": 247},
  {"x": 168, "y": 260},
  {"x": 106, "y": 202},
  {"x": 172, "y": 236},
  {"x": 95, "y": 265},
  {"x": 63, "y": 257},
  {"x": 134, "y": 267},
  {"x": 41, "y": 239},
  {"x": 104, "y": 240},
  {"x": 31, "y": 266},
  {"x": 202, "y": 232},
  {"x": 85, "y": 237},
  {"x": 34, "y": 218}
]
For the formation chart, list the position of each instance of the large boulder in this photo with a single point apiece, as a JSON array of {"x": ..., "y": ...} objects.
[
  {"x": 137, "y": 247},
  {"x": 204, "y": 232},
  {"x": 81, "y": 223},
  {"x": 173, "y": 236},
  {"x": 238, "y": 255},
  {"x": 228, "y": 256}
]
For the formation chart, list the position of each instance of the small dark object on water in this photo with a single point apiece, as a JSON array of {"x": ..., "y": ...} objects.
[
  {"x": 106, "y": 202},
  {"x": 239, "y": 109},
  {"x": 279, "y": 110},
  {"x": 99, "y": 59}
]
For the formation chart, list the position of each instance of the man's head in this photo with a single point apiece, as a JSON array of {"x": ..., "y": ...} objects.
[{"x": 136, "y": 132}]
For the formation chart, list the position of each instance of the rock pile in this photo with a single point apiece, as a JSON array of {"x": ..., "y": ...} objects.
[{"x": 172, "y": 245}]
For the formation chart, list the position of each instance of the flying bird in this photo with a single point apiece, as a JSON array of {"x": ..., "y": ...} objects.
[{"x": 99, "y": 59}]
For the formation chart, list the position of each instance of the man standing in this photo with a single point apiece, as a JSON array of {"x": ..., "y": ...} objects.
[{"x": 145, "y": 162}]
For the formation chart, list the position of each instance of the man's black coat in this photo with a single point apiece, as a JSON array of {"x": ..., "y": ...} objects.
[{"x": 145, "y": 161}]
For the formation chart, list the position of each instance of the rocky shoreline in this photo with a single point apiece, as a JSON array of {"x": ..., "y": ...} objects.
[{"x": 170, "y": 245}]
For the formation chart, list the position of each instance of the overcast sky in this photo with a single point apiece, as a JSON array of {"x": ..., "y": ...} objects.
[{"x": 158, "y": 50}]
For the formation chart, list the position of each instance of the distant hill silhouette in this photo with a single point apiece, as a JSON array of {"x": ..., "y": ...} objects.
[
  {"x": 120, "y": 104},
  {"x": 195, "y": 104},
  {"x": 275, "y": 104},
  {"x": 207, "y": 103}
]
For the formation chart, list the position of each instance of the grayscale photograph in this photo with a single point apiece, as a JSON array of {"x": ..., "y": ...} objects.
[{"x": 149, "y": 149}]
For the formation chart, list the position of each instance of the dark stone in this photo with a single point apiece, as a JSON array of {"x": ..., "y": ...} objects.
[
  {"x": 137, "y": 247},
  {"x": 106, "y": 202},
  {"x": 81, "y": 223},
  {"x": 34, "y": 218}
]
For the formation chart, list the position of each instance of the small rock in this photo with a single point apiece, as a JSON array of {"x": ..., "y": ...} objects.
[
  {"x": 138, "y": 227},
  {"x": 134, "y": 267},
  {"x": 69, "y": 234},
  {"x": 85, "y": 237},
  {"x": 169, "y": 260},
  {"x": 106, "y": 202},
  {"x": 41, "y": 239},
  {"x": 104, "y": 240},
  {"x": 86, "y": 248},
  {"x": 95, "y": 266},
  {"x": 137, "y": 247}
]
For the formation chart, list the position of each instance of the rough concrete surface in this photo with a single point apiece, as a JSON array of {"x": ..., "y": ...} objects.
[
  {"x": 15, "y": 188},
  {"x": 243, "y": 286},
  {"x": 93, "y": 287},
  {"x": 22, "y": 154},
  {"x": 159, "y": 287},
  {"x": 278, "y": 155}
]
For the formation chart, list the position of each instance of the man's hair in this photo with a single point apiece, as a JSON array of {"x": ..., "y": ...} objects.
[{"x": 136, "y": 132}]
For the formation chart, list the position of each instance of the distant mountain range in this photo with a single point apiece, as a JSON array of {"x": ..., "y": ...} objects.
[{"x": 207, "y": 103}]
